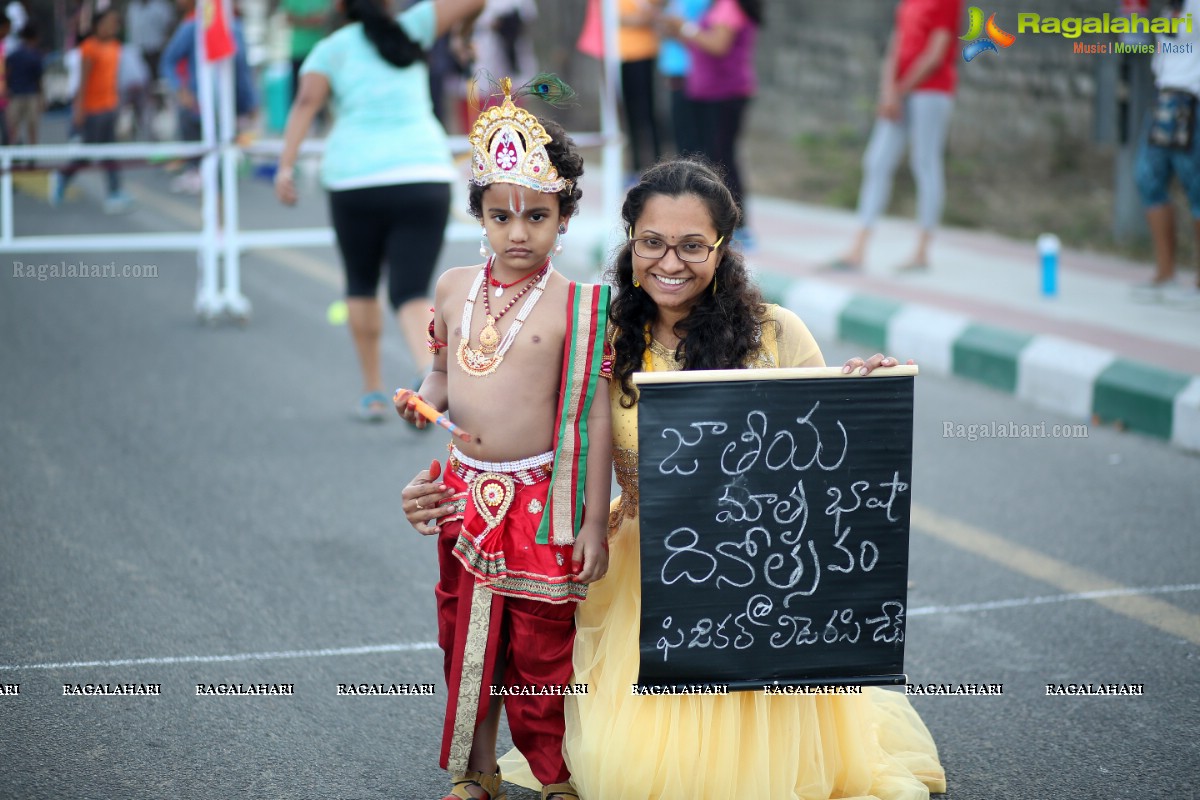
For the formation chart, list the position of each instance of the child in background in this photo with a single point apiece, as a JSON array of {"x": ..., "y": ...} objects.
[
  {"x": 177, "y": 68},
  {"x": 5, "y": 27},
  {"x": 24, "y": 68}
]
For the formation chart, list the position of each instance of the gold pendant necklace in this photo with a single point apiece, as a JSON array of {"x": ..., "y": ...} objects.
[
  {"x": 489, "y": 337},
  {"x": 483, "y": 361}
]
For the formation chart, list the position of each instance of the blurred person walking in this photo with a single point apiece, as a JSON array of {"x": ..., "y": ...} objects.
[
  {"x": 135, "y": 84},
  {"x": 95, "y": 109},
  {"x": 449, "y": 61},
  {"x": 18, "y": 17},
  {"x": 309, "y": 22},
  {"x": 638, "y": 42},
  {"x": 177, "y": 66},
  {"x": 501, "y": 40},
  {"x": 916, "y": 98},
  {"x": 674, "y": 62},
  {"x": 5, "y": 26},
  {"x": 1171, "y": 147},
  {"x": 73, "y": 63},
  {"x": 23, "y": 69},
  {"x": 148, "y": 25},
  {"x": 387, "y": 168},
  {"x": 720, "y": 84}
]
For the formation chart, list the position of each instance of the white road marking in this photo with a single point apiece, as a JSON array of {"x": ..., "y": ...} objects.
[
  {"x": 1020, "y": 602},
  {"x": 403, "y": 647},
  {"x": 413, "y": 647}
]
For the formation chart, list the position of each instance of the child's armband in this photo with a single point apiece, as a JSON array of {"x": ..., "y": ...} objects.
[{"x": 435, "y": 344}]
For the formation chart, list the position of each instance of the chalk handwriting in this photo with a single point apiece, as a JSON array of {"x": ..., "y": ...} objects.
[
  {"x": 781, "y": 628},
  {"x": 666, "y": 467}
]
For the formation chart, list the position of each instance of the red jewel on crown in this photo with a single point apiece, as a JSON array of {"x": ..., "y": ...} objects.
[{"x": 506, "y": 156}]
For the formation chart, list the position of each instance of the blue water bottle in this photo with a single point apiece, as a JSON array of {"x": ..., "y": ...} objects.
[{"x": 1047, "y": 245}]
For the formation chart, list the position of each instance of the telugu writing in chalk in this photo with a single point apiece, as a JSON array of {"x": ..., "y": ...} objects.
[
  {"x": 742, "y": 454},
  {"x": 774, "y": 541},
  {"x": 761, "y": 618}
]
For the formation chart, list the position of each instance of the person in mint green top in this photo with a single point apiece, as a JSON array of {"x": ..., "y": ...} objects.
[{"x": 387, "y": 167}]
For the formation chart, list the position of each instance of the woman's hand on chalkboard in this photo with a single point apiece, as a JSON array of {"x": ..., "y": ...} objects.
[
  {"x": 590, "y": 557},
  {"x": 857, "y": 364},
  {"x": 422, "y": 499}
]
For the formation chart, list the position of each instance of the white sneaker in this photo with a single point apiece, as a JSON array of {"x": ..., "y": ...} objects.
[
  {"x": 1150, "y": 291},
  {"x": 117, "y": 203},
  {"x": 1187, "y": 297}
]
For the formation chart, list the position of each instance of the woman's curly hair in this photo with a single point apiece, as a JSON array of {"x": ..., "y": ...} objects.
[
  {"x": 566, "y": 159},
  {"x": 724, "y": 327}
]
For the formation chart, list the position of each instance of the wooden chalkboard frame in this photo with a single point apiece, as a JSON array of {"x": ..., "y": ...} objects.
[
  {"x": 691, "y": 671},
  {"x": 774, "y": 374}
]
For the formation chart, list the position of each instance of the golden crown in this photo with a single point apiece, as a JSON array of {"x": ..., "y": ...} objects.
[{"x": 508, "y": 145}]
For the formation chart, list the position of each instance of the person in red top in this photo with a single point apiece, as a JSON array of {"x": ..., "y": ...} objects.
[
  {"x": 916, "y": 97},
  {"x": 95, "y": 110}
]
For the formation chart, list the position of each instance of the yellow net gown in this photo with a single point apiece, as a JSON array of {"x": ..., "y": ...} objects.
[{"x": 740, "y": 746}]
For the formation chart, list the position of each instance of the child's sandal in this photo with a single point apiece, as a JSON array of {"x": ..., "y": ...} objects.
[
  {"x": 491, "y": 784},
  {"x": 562, "y": 790}
]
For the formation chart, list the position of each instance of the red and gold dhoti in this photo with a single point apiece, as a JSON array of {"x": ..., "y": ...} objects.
[{"x": 506, "y": 610}]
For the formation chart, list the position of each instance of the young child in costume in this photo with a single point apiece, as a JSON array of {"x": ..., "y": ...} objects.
[{"x": 518, "y": 355}]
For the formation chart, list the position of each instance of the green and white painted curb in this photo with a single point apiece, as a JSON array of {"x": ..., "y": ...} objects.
[{"x": 1078, "y": 380}]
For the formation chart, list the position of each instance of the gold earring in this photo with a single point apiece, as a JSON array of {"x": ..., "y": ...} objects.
[
  {"x": 714, "y": 285},
  {"x": 636, "y": 285}
]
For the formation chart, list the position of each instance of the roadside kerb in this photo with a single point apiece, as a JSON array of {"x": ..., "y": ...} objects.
[{"x": 1075, "y": 379}]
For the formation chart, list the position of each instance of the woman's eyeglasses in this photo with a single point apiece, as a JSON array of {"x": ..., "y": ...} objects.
[{"x": 690, "y": 251}]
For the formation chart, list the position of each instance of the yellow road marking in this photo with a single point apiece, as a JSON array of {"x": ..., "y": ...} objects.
[
  {"x": 305, "y": 264},
  {"x": 1047, "y": 569}
]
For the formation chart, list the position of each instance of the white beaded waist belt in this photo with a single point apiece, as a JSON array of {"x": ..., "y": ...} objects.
[{"x": 528, "y": 471}]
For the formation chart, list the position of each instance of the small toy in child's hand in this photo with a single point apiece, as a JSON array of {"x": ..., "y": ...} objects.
[
  {"x": 414, "y": 401},
  {"x": 435, "y": 469}
]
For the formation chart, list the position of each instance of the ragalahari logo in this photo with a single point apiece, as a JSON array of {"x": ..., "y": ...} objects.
[{"x": 975, "y": 27}]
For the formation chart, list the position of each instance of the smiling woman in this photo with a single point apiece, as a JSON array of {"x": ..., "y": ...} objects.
[
  {"x": 681, "y": 288},
  {"x": 685, "y": 303},
  {"x": 673, "y": 260}
]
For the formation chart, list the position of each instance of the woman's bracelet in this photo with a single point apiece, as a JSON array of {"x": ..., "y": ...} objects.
[{"x": 283, "y": 172}]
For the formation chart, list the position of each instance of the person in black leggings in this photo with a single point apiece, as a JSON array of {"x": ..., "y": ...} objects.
[
  {"x": 403, "y": 226},
  {"x": 641, "y": 112},
  {"x": 387, "y": 167}
]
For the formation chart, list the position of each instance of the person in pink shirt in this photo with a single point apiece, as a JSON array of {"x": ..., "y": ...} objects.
[{"x": 721, "y": 82}]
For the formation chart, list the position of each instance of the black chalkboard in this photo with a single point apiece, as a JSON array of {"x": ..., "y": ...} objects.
[{"x": 774, "y": 527}]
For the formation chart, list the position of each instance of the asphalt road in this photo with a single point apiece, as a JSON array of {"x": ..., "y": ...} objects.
[{"x": 182, "y": 505}]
